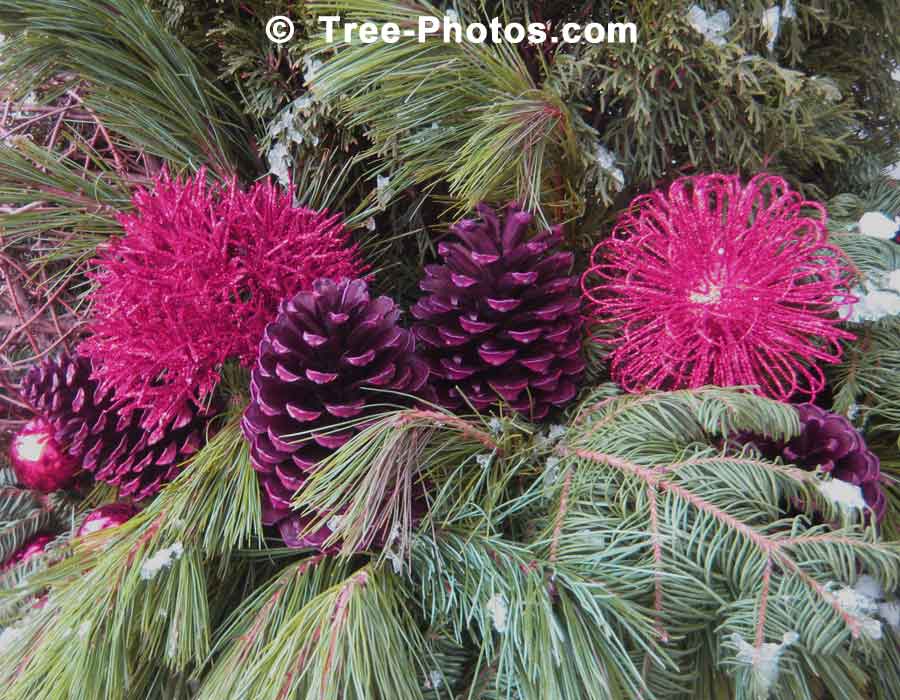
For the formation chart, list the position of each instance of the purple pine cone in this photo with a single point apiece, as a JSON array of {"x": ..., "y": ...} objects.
[
  {"x": 315, "y": 360},
  {"x": 828, "y": 441},
  {"x": 110, "y": 444},
  {"x": 500, "y": 321}
]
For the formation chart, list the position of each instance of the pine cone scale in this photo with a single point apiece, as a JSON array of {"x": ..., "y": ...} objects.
[{"x": 829, "y": 443}]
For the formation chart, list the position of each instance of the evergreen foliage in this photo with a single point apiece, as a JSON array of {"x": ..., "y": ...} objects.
[
  {"x": 865, "y": 384},
  {"x": 495, "y": 123},
  {"x": 24, "y": 513},
  {"x": 145, "y": 85},
  {"x": 608, "y": 560}
]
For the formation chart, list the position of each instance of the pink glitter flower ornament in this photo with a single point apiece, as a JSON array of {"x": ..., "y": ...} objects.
[
  {"x": 717, "y": 282},
  {"x": 194, "y": 281}
]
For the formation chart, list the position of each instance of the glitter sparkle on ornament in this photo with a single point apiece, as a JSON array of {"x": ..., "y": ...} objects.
[
  {"x": 717, "y": 282},
  {"x": 194, "y": 281}
]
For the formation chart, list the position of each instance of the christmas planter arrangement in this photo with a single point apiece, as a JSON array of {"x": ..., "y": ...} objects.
[{"x": 333, "y": 376}]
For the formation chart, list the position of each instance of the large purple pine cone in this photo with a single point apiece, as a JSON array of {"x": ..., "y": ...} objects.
[
  {"x": 110, "y": 444},
  {"x": 829, "y": 442},
  {"x": 501, "y": 318},
  {"x": 315, "y": 361}
]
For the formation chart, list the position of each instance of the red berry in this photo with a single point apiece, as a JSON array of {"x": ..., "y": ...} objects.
[
  {"x": 111, "y": 515},
  {"x": 36, "y": 545},
  {"x": 39, "y": 461}
]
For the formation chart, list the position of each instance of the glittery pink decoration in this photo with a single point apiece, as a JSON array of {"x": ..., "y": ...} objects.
[
  {"x": 717, "y": 282},
  {"x": 194, "y": 281}
]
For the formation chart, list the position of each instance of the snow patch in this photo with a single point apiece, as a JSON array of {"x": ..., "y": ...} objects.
[
  {"x": 842, "y": 493},
  {"x": 551, "y": 471},
  {"x": 879, "y": 299},
  {"x": 556, "y": 431},
  {"x": 499, "y": 611},
  {"x": 434, "y": 681},
  {"x": 163, "y": 559},
  {"x": 383, "y": 191},
  {"x": 771, "y": 22},
  {"x": 890, "y": 613},
  {"x": 764, "y": 660},
  {"x": 861, "y": 602},
  {"x": 484, "y": 460},
  {"x": 393, "y": 549},
  {"x": 869, "y": 599},
  {"x": 878, "y": 225},
  {"x": 8, "y": 637},
  {"x": 712, "y": 27},
  {"x": 607, "y": 163}
]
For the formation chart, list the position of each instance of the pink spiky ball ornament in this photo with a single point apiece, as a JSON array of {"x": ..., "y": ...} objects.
[
  {"x": 39, "y": 461},
  {"x": 194, "y": 281},
  {"x": 717, "y": 282}
]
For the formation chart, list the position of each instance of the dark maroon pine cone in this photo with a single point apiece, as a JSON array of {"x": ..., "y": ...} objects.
[
  {"x": 829, "y": 442},
  {"x": 501, "y": 318},
  {"x": 110, "y": 445},
  {"x": 314, "y": 361}
]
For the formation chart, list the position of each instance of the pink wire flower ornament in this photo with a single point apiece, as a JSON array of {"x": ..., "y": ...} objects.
[{"x": 717, "y": 282}]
